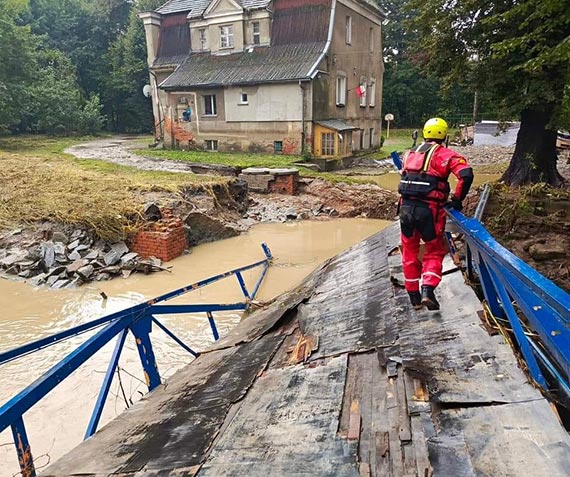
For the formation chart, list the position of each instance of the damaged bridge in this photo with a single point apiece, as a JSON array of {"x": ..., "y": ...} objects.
[{"x": 341, "y": 377}]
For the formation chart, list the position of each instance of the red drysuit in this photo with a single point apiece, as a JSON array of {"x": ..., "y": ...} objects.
[{"x": 424, "y": 188}]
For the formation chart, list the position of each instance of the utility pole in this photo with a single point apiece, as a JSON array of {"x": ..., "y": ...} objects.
[{"x": 475, "y": 106}]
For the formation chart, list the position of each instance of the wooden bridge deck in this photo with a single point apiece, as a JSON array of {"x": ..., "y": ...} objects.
[{"x": 383, "y": 391}]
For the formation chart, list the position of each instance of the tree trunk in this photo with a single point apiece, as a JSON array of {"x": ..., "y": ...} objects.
[{"x": 535, "y": 156}]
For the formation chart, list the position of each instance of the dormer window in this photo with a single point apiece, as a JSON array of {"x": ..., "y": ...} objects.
[
  {"x": 256, "y": 34},
  {"x": 227, "y": 36}
]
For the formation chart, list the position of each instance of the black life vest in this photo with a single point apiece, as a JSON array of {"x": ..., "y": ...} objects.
[{"x": 416, "y": 183}]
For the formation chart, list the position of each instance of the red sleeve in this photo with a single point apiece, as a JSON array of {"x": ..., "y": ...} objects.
[{"x": 462, "y": 170}]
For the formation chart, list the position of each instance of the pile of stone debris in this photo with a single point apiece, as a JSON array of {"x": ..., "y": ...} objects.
[{"x": 66, "y": 262}]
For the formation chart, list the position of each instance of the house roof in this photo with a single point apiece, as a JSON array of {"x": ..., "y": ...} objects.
[
  {"x": 337, "y": 125},
  {"x": 280, "y": 63},
  {"x": 197, "y": 7}
]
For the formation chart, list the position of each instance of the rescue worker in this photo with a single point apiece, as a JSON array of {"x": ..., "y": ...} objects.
[{"x": 424, "y": 190}]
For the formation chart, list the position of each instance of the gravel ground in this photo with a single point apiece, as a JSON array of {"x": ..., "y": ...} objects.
[{"x": 498, "y": 155}]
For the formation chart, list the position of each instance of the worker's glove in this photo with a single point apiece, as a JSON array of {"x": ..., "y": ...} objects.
[{"x": 454, "y": 204}]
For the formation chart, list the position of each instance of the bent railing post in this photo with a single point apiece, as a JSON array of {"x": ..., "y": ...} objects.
[
  {"x": 213, "y": 325},
  {"x": 25, "y": 458},
  {"x": 141, "y": 330},
  {"x": 106, "y": 387}
]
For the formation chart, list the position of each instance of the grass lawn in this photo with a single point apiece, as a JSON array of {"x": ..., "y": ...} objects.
[
  {"x": 41, "y": 182},
  {"x": 400, "y": 140},
  {"x": 241, "y": 160}
]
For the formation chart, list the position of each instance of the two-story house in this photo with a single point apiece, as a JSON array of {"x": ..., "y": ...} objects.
[{"x": 283, "y": 76}]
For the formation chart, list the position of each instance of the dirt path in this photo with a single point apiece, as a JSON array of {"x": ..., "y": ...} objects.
[{"x": 118, "y": 150}]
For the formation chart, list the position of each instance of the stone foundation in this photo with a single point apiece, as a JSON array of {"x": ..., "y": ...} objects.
[{"x": 280, "y": 181}]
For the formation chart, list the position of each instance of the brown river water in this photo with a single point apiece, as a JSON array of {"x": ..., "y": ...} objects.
[{"x": 57, "y": 423}]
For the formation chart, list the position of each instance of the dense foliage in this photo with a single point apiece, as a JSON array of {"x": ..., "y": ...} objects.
[
  {"x": 518, "y": 53},
  {"x": 413, "y": 92},
  {"x": 73, "y": 66}
]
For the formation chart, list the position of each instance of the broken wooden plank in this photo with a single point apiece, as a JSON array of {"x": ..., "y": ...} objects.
[{"x": 354, "y": 422}]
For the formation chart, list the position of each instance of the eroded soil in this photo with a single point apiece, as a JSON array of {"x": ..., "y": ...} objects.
[{"x": 534, "y": 223}]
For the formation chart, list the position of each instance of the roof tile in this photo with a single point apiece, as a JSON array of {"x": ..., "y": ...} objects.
[{"x": 197, "y": 7}]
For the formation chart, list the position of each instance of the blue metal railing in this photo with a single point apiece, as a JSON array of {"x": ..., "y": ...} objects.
[
  {"x": 138, "y": 320},
  {"x": 516, "y": 292}
]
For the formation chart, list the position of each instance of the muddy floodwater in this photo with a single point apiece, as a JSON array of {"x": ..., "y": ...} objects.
[
  {"x": 391, "y": 180},
  {"x": 59, "y": 421}
]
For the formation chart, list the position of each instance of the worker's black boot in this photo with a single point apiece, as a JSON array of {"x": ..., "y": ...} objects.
[
  {"x": 429, "y": 299},
  {"x": 416, "y": 299}
]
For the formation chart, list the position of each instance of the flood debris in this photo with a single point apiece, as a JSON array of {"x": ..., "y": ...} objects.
[{"x": 58, "y": 260}]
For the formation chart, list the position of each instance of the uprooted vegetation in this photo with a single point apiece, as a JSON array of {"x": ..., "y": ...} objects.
[{"x": 41, "y": 183}]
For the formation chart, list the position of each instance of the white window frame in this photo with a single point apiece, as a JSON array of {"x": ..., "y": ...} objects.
[
  {"x": 202, "y": 38},
  {"x": 341, "y": 89},
  {"x": 256, "y": 28},
  {"x": 210, "y": 99},
  {"x": 371, "y": 93},
  {"x": 226, "y": 36},
  {"x": 327, "y": 143},
  {"x": 211, "y": 145},
  {"x": 243, "y": 98},
  {"x": 363, "y": 97},
  {"x": 348, "y": 30}
]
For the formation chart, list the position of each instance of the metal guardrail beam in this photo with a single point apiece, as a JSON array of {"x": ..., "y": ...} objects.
[{"x": 507, "y": 280}]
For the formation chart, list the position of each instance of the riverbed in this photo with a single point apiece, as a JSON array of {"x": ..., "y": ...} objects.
[{"x": 58, "y": 422}]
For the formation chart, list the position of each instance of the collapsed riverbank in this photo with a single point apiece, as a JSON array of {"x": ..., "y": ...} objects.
[{"x": 67, "y": 221}]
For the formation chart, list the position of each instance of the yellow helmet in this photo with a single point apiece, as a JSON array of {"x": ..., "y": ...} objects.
[{"x": 435, "y": 128}]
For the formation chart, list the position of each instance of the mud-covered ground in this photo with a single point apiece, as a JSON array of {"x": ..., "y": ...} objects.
[{"x": 534, "y": 223}]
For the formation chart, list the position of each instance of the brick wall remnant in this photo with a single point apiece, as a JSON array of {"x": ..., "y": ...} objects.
[{"x": 165, "y": 239}]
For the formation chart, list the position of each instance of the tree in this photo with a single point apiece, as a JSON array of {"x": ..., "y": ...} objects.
[
  {"x": 519, "y": 51},
  {"x": 411, "y": 92},
  {"x": 124, "y": 102},
  {"x": 17, "y": 69},
  {"x": 54, "y": 101}
]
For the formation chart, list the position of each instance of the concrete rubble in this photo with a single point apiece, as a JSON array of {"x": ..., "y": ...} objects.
[{"x": 62, "y": 261}]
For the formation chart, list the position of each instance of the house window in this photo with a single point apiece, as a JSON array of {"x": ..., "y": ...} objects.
[
  {"x": 278, "y": 147},
  {"x": 202, "y": 33},
  {"x": 327, "y": 144},
  {"x": 243, "y": 99},
  {"x": 340, "y": 90},
  {"x": 371, "y": 137},
  {"x": 372, "y": 40},
  {"x": 210, "y": 108},
  {"x": 211, "y": 145},
  {"x": 363, "y": 92},
  {"x": 227, "y": 36},
  {"x": 256, "y": 34},
  {"x": 348, "y": 29},
  {"x": 372, "y": 93}
]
